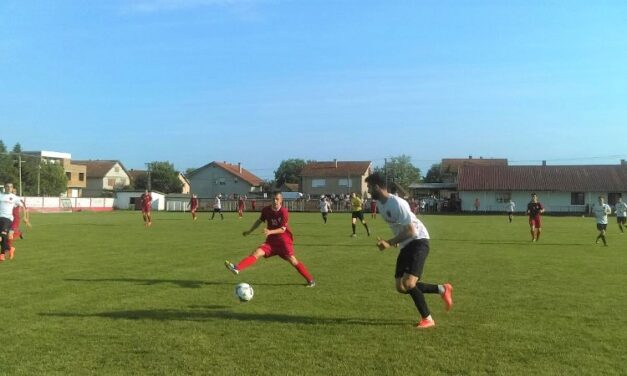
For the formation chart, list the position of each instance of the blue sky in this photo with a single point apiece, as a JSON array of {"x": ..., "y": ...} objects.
[{"x": 260, "y": 81}]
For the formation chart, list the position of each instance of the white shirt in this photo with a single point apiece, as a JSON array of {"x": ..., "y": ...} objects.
[
  {"x": 7, "y": 202},
  {"x": 398, "y": 215},
  {"x": 324, "y": 206},
  {"x": 621, "y": 209},
  {"x": 510, "y": 206},
  {"x": 601, "y": 212},
  {"x": 217, "y": 204}
]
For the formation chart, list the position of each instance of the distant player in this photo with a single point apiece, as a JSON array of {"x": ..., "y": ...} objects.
[
  {"x": 621, "y": 213},
  {"x": 217, "y": 207},
  {"x": 325, "y": 208},
  {"x": 601, "y": 210},
  {"x": 358, "y": 213},
  {"x": 373, "y": 209},
  {"x": 509, "y": 207},
  {"x": 8, "y": 201},
  {"x": 146, "y": 202},
  {"x": 413, "y": 239},
  {"x": 534, "y": 211},
  {"x": 193, "y": 206},
  {"x": 279, "y": 240},
  {"x": 19, "y": 211},
  {"x": 241, "y": 205},
  {"x": 253, "y": 204}
]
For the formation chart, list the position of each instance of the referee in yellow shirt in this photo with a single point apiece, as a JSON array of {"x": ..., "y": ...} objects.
[{"x": 358, "y": 212}]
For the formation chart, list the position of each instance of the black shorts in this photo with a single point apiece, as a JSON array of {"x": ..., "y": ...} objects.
[
  {"x": 217, "y": 210},
  {"x": 411, "y": 259},
  {"x": 359, "y": 214},
  {"x": 621, "y": 220},
  {"x": 601, "y": 226}
]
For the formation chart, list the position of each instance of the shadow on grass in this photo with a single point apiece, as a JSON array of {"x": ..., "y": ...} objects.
[
  {"x": 519, "y": 242},
  {"x": 219, "y": 314},
  {"x": 190, "y": 284}
]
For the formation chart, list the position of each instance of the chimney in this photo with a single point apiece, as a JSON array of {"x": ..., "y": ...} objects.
[
  {"x": 544, "y": 163},
  {"x": 239, "y": 167},
  {"x": 335, "y": 162}
]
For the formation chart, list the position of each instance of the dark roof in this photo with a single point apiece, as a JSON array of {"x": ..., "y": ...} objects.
[
  {"x": 591, "y": 178},
  {"x": 234, "y": 169},
  {"x": 99, "y": 168},
  {"x": 433, "y": 185},
  {"x": 452, "y": 165},
  {"x": 334, "y": 169}
]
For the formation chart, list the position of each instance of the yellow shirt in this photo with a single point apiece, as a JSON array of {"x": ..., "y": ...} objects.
[{"x": 356, "y": 204}]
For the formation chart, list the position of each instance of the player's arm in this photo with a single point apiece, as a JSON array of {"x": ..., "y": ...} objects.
[
  {"x": 408, "y": 232},
  {"x": 253, "y": 227},
  {"x": 276, "y": 231}
]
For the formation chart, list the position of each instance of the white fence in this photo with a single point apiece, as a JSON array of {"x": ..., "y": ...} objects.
[{"x": 58, "y": 204}]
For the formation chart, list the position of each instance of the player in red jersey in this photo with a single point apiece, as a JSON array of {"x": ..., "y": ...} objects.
[
  {"x": 279, "y": 240},
  {"x": 240, "y": 206},
  {"x": 146, "y": 201},
  {"x": 193, "y": 206},
  {"x": 373, "y": 208},
  {"x": 534, "y": 211}
]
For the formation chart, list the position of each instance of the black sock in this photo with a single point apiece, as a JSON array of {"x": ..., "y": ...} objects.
[
  {"x": 603, "y": 238},
  {"x": 353, "y": 228},
  {"x": 419, "y": 301},
  {"x": 428, "y": 288},
  {"x": 367, "y": 229},
  {"x": 599, "y": 237}
]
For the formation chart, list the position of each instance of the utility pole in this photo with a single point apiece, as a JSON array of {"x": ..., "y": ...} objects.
[
  {"x": 19, "y": 162},
  {"x": 385, "y": 171}
]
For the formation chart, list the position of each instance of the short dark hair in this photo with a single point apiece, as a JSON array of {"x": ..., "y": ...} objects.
[{"x": 376, "y": 179}]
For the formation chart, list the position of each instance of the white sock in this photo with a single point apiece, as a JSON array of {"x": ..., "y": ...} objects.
[{"x": 441, "y": 289}]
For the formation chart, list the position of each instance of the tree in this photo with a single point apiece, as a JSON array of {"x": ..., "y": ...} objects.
[
  {"x": 188, "y": 171},
  {"x": 433, "y": 175},
  {"x": 163, "y": 178},
  {"x": 17, "y": 149},
  {"x": 400, "y": 170},
  {"x": 52, "y": 182},
  {"x": 3, "y": 148},
  {"x": 289, "y": 171}
]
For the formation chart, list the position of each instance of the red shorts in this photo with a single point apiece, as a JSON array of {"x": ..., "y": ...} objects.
[
  {"x": 146, "y": 209},
  {"x": 283, "y": 249},
  {"x": 194, "y": 208},
  {"x": 535, "y": 222}
]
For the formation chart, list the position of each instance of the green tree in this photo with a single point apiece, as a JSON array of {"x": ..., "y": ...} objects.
[
  {"x": 163, "y": 178},
  {"x": 3, "y": 148},
  {"x": 400, "y": 170},
  {"x": 433, "y": 175},
  {"x": 188, "y": 171},
  {"x": 17, "y": 149},
  {"x": 289, "y": 171},
  {"x": 52, "y": 182}
]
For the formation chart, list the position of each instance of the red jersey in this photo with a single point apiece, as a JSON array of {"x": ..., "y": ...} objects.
[
  {"x": 16, "y": 217},
  {"x": 146, "y": 199},
  {"x": 193, "y": 203},
  {"x": 240, "y": 203},
  {"x": 274, "y": 220}
]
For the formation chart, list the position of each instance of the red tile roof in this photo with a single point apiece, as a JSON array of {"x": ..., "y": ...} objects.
[
  {"x": 451, "y": 165},
  {"x": 98, "y": 168},
  {"x": 234, "y": 169},
  {"x": 331, "y": 169},
  {"x": 590, "y": 178}
]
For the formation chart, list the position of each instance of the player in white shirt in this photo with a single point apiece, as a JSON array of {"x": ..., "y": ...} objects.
[
  {"x": 325, "y": 208},
  {"x": 509, "y": 207},
  {"x": 8, "y": 201},
  {"x": 217, "y": 207},
  {"x": 621, "y": 213},
  {"x": 413, "y": 239},
  {"x": 601, "y": 211}
]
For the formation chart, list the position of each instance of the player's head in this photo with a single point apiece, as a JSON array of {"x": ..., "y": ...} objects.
[
  {"x": 534, "y": 197},
  {"x": 353, "y": 194},
  {"x": 376, "y": 185},
  {"x": 620, "y": 198},
  {"x": 8, "y": 187},
  {"x": 601, "y": 199},
  {"x": 277, "y": 200}
]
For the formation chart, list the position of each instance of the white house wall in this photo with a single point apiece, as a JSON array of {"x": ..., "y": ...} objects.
[
  {"x": 203, "y": 183},
  {"x": 552, "y": 201}
]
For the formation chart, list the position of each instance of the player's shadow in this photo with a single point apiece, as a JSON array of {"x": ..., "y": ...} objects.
[
  {"x": 209, "y": 313},
  {"x": 190, "y": 284}
]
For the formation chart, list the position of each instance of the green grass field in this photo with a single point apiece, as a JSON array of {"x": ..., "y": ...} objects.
[{"x": 97, "y": 293}]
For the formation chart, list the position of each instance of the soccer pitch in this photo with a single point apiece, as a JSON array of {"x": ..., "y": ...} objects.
[{"x": 97, "y": 293}]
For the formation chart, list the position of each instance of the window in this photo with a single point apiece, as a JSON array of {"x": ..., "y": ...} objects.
[
  {"x": 69, "y": 175},
  {"x": 116, "y": 169},
  {"x": 111, "y": 182},
  {"x": 221, "y": 181},
  {"x": 345, "y": 183},
  {"x": 318, "y": 183},
  {"x": 81, "y": 176},
  {"x": 503, "y": 196},
  {"x": 612, "y": 198},
  {"x": 577, "y": 198}
]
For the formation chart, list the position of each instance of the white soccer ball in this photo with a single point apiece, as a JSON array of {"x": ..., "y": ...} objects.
[{"x": 244, "y": 292}]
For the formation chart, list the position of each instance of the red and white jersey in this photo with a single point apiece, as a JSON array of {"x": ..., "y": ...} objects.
[
  {"x": 8, "y": 201},
  {"x": 277, "y": 219}
]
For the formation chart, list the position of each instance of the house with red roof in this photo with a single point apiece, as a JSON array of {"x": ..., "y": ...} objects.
[
  {"x": 223, "y": 178},
  {"x": 562, "y": 189},
  {"x": 104, "y": 177},
  {"x": 335, "y": 177}
]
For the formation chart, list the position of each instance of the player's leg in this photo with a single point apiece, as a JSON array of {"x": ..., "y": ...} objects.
[
  {"x": 213, "y": 214},
  {"x": 621, "y": 222},
  {"x": 363, "y": 222},
  {"x": 248, "y": 260},
  {"x": 353, "y": 221},
  {"x": 221, "y": 215},
  {"x": 324, "y": 217},
  {"x": 301, "y": 268},
  {"x": 11, "y": 237}
]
